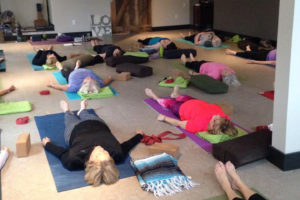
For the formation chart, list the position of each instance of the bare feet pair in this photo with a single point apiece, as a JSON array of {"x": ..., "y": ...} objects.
[
  {"x": 184, "y": 59},
  {"x": 65, "y": 106},
  {"x": 222, "y": 171}
]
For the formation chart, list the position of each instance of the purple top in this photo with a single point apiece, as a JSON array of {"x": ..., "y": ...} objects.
[
  {"x": 271, "y": 55},
  {"x": 77, "y": 76}
]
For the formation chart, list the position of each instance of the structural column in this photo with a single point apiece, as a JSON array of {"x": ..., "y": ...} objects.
[{"x": 285, "y": 150}]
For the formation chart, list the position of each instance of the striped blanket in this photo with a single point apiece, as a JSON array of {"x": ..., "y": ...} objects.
[{"x": 160, "y": 175}]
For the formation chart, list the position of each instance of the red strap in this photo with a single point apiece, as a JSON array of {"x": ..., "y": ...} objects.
[{"x": 149, "y": 140}]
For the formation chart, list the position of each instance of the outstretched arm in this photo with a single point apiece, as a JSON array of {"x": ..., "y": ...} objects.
[
  {"x": 132, "y": 142},
  {"x": 58, "y": 86},
  {"x": 266, "y": 62},
  {"x": 8, "y": 90},
  {"x": 174, "y": 122}
]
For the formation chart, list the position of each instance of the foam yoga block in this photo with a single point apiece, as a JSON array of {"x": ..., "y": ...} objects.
[
  {"x": 23, "y": 145},
  {"x": 171, "y": 149},
  {"x": 245, "y": 149},
  {"x": 208, "y": 84},
  {"x": 113, "y": 61},
  {"x": 135, "y": 69},
  {"x": 176, "y": 53}
]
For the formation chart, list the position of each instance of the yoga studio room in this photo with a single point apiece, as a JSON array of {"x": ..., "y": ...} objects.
[{"x": 149, "y": 99}]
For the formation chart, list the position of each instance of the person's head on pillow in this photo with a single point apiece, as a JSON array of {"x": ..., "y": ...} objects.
[
  {"x": 216, "y": 41},
  {"x": 51, "y": 60},
  {"x": 89, "y": 85},
  {"x": 100, "y": 167},
  {"x": 219, "y": 125}
]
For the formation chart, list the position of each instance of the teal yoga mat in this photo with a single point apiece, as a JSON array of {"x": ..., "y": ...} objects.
[
  {"x": 34, "y": 67},
  {"x": 53, "y": 126},
  {"x": 2, "y": 64},
  {"x": 223, "y": 46},
  {"x": 71, "y": 95}
]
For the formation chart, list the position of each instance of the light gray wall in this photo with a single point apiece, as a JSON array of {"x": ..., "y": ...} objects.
[
  {"x": 170, "y": 12},
  {"x": 258, "y": 18},
  {"x": 24, "y": 11},
  {"x": 75, "y": 15}
]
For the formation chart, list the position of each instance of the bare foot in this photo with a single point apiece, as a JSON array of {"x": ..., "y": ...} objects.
[
  {"x": 183, "y": 58},
  {"x": 236, "y": 180},
  {"x": 221, "y": 175},
  {"x": 161, "y": 117},
  {"x": 230, "y": 52},
  {"x": 192, "y": 57},
  {"x": 50, "y": 47},
  {"x": 150, "y": 94},
  {"x": 248, "y": 48},
  {"x": 78, "y": 63},
  {"x": 59, "y": 65},
  {"x": 83, "y": 106},
  {"x": 103, "y": 55},
  {"x": 108, "y": 80},
  {"x": 64, "y": 106},
  {"x": 175, "y": 93}
]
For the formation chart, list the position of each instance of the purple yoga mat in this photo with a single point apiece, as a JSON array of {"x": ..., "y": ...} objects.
[{"x": 207, "y": 146}]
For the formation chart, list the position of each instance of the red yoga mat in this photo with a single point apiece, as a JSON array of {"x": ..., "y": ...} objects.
[{"x": 268, "y": 94}]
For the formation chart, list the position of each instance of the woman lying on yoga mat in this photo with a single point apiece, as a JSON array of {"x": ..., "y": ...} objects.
[
  {"x": 157, "y": 42},
  {"x": 264, "y": 57},
  {"x": 222, "y": 171},
  {"x": 81, "y": 79},
  {"x": 106, "y": 50},
  {"x": 48, "y": 57},
  {"x": 207, "y": 39},
  {"x": 195, "y": 115},
  {"x": 215, "y": 70},
  {"x": 92, "y": 146},
  {"x": 7, "y": 90}
]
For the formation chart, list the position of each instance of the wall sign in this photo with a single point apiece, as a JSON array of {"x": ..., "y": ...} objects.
[{"x": 100, "y": 25}]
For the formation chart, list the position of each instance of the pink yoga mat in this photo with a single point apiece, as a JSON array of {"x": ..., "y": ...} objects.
[{"x": 207, "y": 146}]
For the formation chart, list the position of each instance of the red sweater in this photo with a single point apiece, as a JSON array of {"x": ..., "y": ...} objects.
[{"x": 198, "y": 113}]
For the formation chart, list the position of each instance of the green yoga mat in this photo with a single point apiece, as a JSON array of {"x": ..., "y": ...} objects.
[
  {"x": 181, "y": 82},
  {"x": 223, "y": 46},
  {"x": 48, "y": 67},
  {"x": 15, "y": 107},
  {"x": 220, "y": 137},
  {"x": 104, "y": 93}
]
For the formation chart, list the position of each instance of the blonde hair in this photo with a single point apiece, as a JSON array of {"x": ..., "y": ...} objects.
[
  {"x": 105, "y": 171},
  {"x": 225, "y": 126},
  {"x": 91, "y": 86},
  {"x": 51, "y": 60}
]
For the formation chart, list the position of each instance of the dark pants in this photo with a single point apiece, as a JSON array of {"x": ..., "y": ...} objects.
[
  {"x": 106, "y": 48},
  {"x": 254, "y": 55},
  {"x": 41, "y": 57},
  {"x": 190, "y": 38},
  {"x": 145, "y": 41},
  {"x": 195, "y": 65},
  {"x": 253, "y": 197}
]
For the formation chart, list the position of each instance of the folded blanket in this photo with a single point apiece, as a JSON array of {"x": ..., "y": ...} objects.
[
  {"x": 180, "y": 81},
  {"x": 160, "y": 175},
  {"x": 15, "y": 107},
  {"x": 104, "y": 93}
]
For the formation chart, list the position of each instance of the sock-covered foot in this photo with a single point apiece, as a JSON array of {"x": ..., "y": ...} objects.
[
  {"x": 64, "y": 106},
  {"x": 175, "y": 92}
]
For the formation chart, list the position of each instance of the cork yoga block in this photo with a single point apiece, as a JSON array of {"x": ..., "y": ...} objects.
[
  {"x": 23, "y": 145},
  {"x": 124, "y": 76},
  {"x": 171, "y": 149}
]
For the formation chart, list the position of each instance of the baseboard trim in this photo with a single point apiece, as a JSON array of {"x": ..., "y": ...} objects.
[
  {"x": 284, "y": 161},
  {"x": 167, "y": 28}
]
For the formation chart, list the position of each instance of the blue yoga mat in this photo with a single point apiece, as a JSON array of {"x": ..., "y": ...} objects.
[
  {"x": 71, "y": 95},
  {"x": 2, "y": 64},
  {"x": 223, "y": 46},
  {"x": 34, "y": 67},
  {"x": 52, "y": 126}
]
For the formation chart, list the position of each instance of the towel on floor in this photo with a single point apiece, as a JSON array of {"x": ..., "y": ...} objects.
[
  {"x": 104, "y": 93},
  {"x": 15, "y": 107},
  {"x": 161, "y": 175}
]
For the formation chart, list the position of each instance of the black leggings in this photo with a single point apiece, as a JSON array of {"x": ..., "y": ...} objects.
[
  {"x": 195, "y": 65},
  {"x": 41, "y": 57},
  {"x": 190, "y": 38},
  {"x": 145, "y": 41},
  {"x": 254, "y": 55},
  {"x": 253, "y": 197}
]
